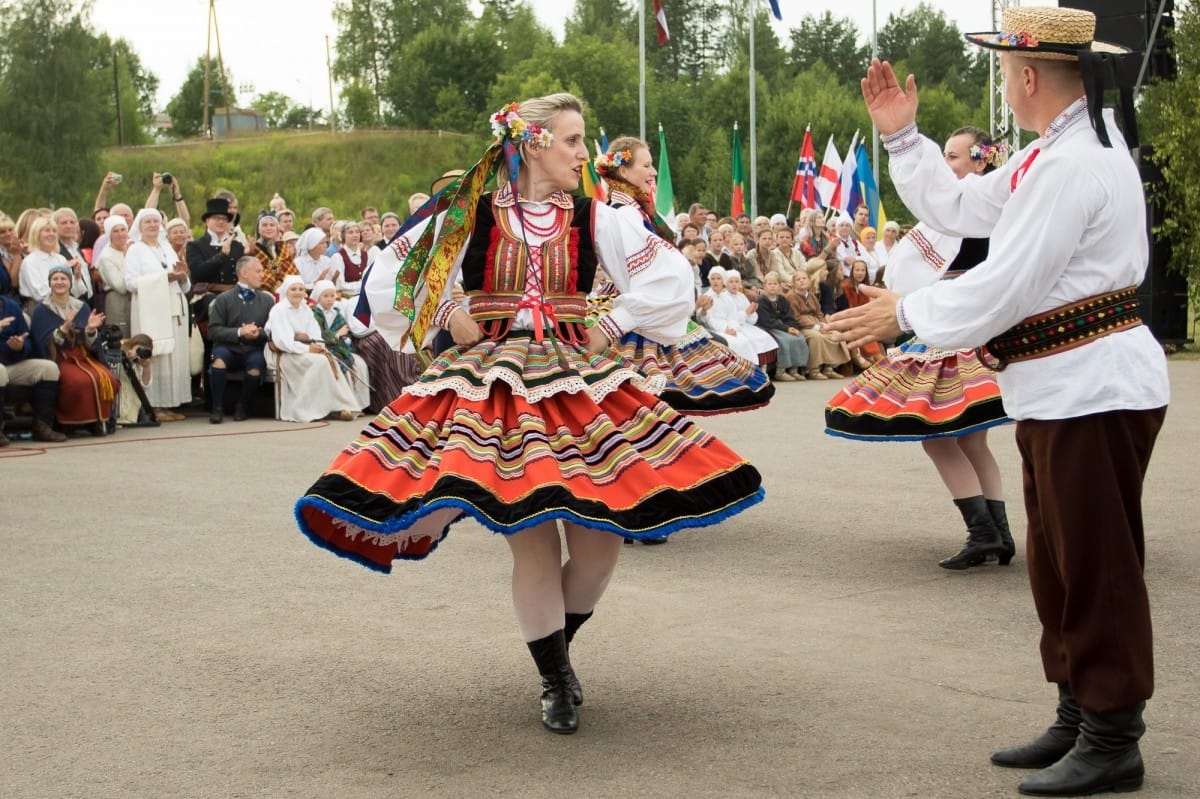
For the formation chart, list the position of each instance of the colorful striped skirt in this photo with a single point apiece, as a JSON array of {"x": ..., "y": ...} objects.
[
  {"x": 698, "y": 376},
  {"x": 515, "y": 433},
  {"x": 917, "y": 392}
]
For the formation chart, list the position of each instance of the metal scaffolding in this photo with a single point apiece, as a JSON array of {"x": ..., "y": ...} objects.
[{"x": 1003, "y": 128}]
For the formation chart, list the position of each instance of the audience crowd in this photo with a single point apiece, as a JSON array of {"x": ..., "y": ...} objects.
[{"x": 130, "y": 303}]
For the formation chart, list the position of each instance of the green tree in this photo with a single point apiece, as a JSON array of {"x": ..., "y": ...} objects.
[
  {"x": 934, "y": 50},
  {"x": 119, "y": 69},
  {"x": 186, "y": 108},
  {"x": 360, "y": 106},
  {"x": 48, "y": 90},
  {"x": 1171, "y": 124},
  {"x": 610, "y": 20},
  {"x": 832, "y": 42},
  {"x": 274, "y": 108}
]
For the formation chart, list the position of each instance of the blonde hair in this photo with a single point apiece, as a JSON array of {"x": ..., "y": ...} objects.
[
  {"x": 36, "y": 227},
  {"x": 542, "y": 111}
]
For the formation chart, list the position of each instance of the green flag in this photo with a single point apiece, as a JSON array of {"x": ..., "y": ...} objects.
[
  {"x": 737, "y": 205},
  {"x": 664, "y": 194}
]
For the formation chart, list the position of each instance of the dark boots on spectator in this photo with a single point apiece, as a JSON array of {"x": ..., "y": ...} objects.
[
  {"x": 1000, "y": 517},
  {"x": 250, "y": 384},
  {"x": 216, "y": 394},
  {"x": 558, "y": 706},
  {"x": 1105, "y": 757},
  {"x": 983, "y": 536},
  {"x": 43, "y": 397},
  {"x": 1052, "y": 745},
  {"x": 573, "y": 622}
]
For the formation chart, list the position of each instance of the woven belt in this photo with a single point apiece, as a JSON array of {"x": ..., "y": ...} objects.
[{"x": 1063, "y": 328}]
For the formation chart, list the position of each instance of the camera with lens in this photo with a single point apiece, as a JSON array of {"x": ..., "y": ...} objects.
[
  {"x": 110, "y": 335},
  {"x": 143, "y": 353},
  {"x": 167, "y": 178}
]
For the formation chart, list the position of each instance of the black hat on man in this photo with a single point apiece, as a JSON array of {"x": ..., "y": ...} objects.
[{"x": 217, "y": 206}]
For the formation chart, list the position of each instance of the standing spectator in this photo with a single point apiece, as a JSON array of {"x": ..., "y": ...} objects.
[
  {"x": 178, "y": 236},
  {"x": 158, "y": 286},
  {"x": 237, "y": 320},
  {"x": 862, "y": 218},
  {"x": 287, "y": 221},
  {"x": 157, "y": 182},
  {"x": 277, "y": 257},
  {"x": 355, "y": 257},
  {"x": 312, "y": 264},
  {"x": 389, "y": 223},
  {"x": 369, "y": 214},
  {"x": 870, "y": 240},
  {"x": 746, "y": 230},
  {"x": 849, "y": 248},
  {"x": 125, "y": 212},
  {"x": 65, "y": 330},
  {"x": 883, "y": 249},
  {"x": 112, "y": 271},
  {"x": 12, "y": 252},
  {"x": 235, "y": 220},
  {"x": 19, "y": 367},
  {"x": 67, "y": 225},
  {"x": 43, "y": 254}
]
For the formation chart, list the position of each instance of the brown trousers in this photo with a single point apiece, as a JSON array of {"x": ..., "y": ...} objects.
[{"x": 1086, "y": 551}]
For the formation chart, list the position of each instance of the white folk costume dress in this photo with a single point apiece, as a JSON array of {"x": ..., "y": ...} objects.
[
  {"x": 353, "y": 365},
  {"x": 919, "y": 391},
  {"x": 728, "y": 312},
  {"x": 310, "y": 385},
  {"x": 159, "y": 308},
  {"x": 698, "y": 375},
  {"x": 526, "y": 426}
]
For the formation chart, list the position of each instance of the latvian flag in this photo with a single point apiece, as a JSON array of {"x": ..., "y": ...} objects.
[{"x": 660, "y": 22}]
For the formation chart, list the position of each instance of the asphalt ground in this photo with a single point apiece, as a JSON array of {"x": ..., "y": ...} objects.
[{"x": 165, "y": 631}]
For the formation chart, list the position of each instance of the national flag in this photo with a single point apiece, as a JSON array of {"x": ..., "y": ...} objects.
[
  {"x": 775, "y": 10},
  {"x": 848, "y": 182},
  {"x": 870, "y": 191},
  {"x": 664, "y": 192},
  {"x": 804, "y": 187},
  {"x": 660, "y": 23},
  {"x": 603, "y": 141},
  {"x": 593, "y": 184},
  {"x": 827, "y": 178},
  {"x": 737, "y": 205}
]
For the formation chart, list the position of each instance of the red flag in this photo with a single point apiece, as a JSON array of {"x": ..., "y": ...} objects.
[
  {"x": 660, "y": 22},
  {"x": 804, "y": 187}
]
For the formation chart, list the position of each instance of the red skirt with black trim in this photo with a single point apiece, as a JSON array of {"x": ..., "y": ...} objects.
[
  {"x": 514, "y": 433},
  {"x": 917, "y": 392}
]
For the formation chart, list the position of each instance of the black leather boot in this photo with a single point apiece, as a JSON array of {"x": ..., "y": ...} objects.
[
  {"x": 558, "y": 707},
  {"x": 573, "y": 622},
  {"x": 216, "y": 393},
  {"x": 1105, "y": 758},
  {"x": 1052, "y": 745},
  {"x": 983, "y": 537},
  {"x": 42, "y": 398},
  {"x": 1000, "y": 517},
  {"x": 246, "y": 399}
]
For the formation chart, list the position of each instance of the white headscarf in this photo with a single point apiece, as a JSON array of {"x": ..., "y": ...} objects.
[
  {"x": 718, "y": 271},
  {"x": 319, "y": 288},
  {"x": 135, "y": 232},
  {"x": 111, "y": 223},
  {"x": 309, "y": 239},
  {"x": 287, "y": 282}
]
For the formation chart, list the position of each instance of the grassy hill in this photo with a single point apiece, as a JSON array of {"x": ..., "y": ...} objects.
[{"x": 344, "y": 171}]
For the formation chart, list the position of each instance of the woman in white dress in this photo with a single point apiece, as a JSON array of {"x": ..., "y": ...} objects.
[
  {"x": 158, "y": 285},
  {"x": 111, "y": 264},
  {"x": 310, "y": 382}
]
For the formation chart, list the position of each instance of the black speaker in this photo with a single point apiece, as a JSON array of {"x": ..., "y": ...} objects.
[
  {"x": 1129, "y": 23},
  {"x": 1163, "y": 293}
]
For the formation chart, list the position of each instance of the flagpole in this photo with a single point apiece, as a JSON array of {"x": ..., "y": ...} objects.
[
  {"x": 753, "y": 123},
  {"x": 642, "y": 69},
  {"x": 874, "y": 130}
]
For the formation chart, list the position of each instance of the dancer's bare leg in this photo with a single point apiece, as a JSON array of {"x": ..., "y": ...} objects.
[
  {"x": 537, "y": 580},
  {"x": 953, "y": 466},
  {"x": 592, "y": 558},
  {"x": 975, "y": 447}
]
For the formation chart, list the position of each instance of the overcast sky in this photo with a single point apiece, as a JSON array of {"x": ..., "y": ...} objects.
[{"x": 280, "y": 47}]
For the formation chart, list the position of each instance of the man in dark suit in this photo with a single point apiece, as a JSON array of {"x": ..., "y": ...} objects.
[{"x": 212, "y": 259}]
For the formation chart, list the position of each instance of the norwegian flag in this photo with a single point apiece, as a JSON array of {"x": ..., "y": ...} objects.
[
  {"x": 660, "y": 22},
  {"x": 804, "y": 187}
]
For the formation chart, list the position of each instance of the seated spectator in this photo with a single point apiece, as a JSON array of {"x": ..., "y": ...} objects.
[
  {"x": 370, "y": 234},
  {"x": 311, "y": 385},
  {"x": 767, "y": 257},
  {"x": 237, "y": 319},
  {"x": 312, "y": 263},
  {"x": 790, "y": 261},
  {"x": 389, "y": 223},
  {"x": 883, "y": 250},
  {"x": 825, "y": 352},
  {"x": 112, "y": 272},
  {"x": 335, "y": 333},
  {"x": 761, "y": 223},
  {"x": 12, "y": 252},
  {"x": 732, "y": 316},
  {"x": 746, "y": 229},
  {"x": 779, "y": 222},
  {"x": 743, "y": 263},
  {"x": 355, "y": 257},
  {"x": 19, "y": 367},
  {"x": 277, "y": 257},
  {"x": 827, "y": 282},
  {"x": 158, "y": 287},
  {"x": 66, "y": 330},
  {"x": 43, "y": 254},
  {"x": 862, "y": 218},
  {"x": 854, "y": 297},
  {"x": 850, "y": 249},
  {"x": 816, "y": 243},
  {"x": 774, "y": 315},
  {"x": 869, "y": 242}
]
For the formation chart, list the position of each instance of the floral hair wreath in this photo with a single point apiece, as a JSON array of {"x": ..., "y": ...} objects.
[
  {"x": 612, "y": 161},
  {"x": 994, "y": 154},
  {"x": 507, "y": 124}
]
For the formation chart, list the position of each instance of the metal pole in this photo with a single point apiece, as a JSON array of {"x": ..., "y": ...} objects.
[
  {"x": 1137, "y": 88},
  {"x": 874, "y": 130},
  {"x": 207, "y": 65},
  {"x": 642, "y": 69},
  {"x": 753, "y": 124},
  {"x": 329, "y": 72},
  {"x": 117, "y": 93}
]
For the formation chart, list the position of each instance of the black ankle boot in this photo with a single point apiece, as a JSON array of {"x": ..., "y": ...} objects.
[
  {"x": 1000, "y": 517},
  {"x": 558, "y": 707},
  {"x": 1052, "y": 745},
  {"x": 216, "y": 393},
  {"x": 1105, "y": 758},
  {"x": 983, "y": 537},
  {"x": 573, "y": 622}
]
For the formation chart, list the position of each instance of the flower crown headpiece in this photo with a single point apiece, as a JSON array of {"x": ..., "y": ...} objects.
[
  {"x": 994, "y": 154},
  {"x": 611, "y": 161},
  {"x": 507, "y": 124}
]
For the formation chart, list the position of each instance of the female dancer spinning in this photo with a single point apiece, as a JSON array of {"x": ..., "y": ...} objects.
[
  {"x": 944, "y": 399},
  {"x": 525, "y": 424},
  {"x": 700, "y": 376}
]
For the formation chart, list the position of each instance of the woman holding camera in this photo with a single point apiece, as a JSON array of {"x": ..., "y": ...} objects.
[
  {"x": 158, "y": 284},
  {"x": 66, "y": 330}
]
